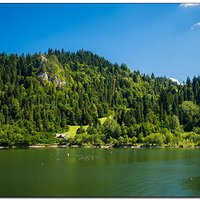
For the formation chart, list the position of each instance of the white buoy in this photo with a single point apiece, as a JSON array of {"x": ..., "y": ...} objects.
[{"x": 68, "y": 154}]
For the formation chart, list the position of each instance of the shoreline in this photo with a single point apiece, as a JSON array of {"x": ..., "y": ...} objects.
[{"x": 138, "y": 146}]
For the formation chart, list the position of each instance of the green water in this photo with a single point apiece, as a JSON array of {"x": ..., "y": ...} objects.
[{"x": 100, "y": 172}]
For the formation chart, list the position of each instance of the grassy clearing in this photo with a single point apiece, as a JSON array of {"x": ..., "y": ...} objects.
[
  {"x": 102, "y": 120},
  {"x": 72, "y": 129}
]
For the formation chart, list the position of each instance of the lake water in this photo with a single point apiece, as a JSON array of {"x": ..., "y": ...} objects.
[{"x": 54, "y": 172}]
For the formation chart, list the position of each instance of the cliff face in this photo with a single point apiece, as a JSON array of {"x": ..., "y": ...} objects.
[
  {"x": 51, "y": 70},
  {"x": 43, "y": 76}
]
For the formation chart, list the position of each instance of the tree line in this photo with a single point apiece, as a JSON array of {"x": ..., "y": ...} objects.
[{"x": 42, "y": 94}]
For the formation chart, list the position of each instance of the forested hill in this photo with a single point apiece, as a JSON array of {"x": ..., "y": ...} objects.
[{"x": 42, "y": 94}]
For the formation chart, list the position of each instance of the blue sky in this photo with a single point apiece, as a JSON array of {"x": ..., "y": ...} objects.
[{"x": 159, "y": 38}]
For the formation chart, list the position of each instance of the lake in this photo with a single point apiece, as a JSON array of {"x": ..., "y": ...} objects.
[{"x": 57, "y": 172}]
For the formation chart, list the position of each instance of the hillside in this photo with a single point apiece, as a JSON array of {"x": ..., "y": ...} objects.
[{"x": 44, "y": 94}]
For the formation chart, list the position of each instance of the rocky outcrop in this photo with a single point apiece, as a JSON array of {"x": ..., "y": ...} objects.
[
  {"x": 43, "y": 59},
  {"x": 59, "y": 83},
  {"x": 43, "y": 76}
]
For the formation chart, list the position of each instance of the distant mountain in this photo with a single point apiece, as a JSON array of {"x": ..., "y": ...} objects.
[{"x": 44, "y": 94}]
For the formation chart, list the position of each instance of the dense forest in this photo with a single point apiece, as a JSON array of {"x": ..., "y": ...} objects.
[{"x": 46, "y": 93}]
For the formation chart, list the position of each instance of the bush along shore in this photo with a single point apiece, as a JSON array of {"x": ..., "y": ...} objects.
[{"x": 71, "y": 143}]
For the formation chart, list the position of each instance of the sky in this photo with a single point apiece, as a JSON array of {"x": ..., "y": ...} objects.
[{"x": 159, "y": 38}]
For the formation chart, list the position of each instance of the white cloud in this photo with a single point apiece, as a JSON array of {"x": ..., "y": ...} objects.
[
  {"x": 190, "y": 5},
  {"x": 197, "y": 25}
]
